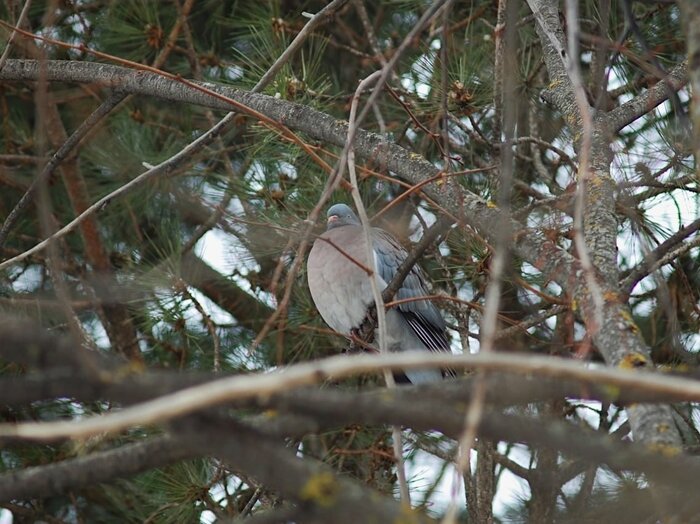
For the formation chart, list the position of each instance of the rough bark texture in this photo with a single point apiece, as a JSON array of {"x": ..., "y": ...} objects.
[{"x": 618, "y": 338}]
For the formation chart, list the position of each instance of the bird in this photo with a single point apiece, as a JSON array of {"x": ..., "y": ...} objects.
[{"x": 341, "y": 290}]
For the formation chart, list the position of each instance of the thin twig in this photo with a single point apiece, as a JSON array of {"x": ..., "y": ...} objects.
[
  {"x": 573, "y": 69},
  {"x": 569, "y": 58},
  {"x": 369, "y": 30},
  {"x": 13, "y": 35},
  {"x": 444, "y": 83},
  {"x": 429, "y": 237},
  {"x": 374, "y": 284},
  {"x": 389, "y": 67},
  {"x": 181, "y": 286}
]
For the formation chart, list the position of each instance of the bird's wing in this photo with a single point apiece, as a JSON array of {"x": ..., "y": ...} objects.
[{"x": 421, "y": 315}]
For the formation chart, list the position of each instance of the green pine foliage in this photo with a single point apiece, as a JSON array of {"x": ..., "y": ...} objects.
[{"x": 264, "y": 186}]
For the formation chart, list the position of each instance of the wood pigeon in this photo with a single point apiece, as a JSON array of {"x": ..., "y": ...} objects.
[{"x": 341, "y": 289}]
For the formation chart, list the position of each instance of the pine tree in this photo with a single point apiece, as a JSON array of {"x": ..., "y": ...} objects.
[{"x": 557, "y": 142}]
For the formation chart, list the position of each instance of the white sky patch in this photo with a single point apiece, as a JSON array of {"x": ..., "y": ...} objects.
[
  {"x": 29, "y": 280},
  {"x": 229, "y": 257},
  {"x": 511, "y": 489},
  {"x": 691, "y": 342},
  {"x": 233, "y": 73},
  {"x": 215, "y": 247},
  {"x": 587, "y": 410},
  {"x": 217, "y": 315},
  {"x": 419, "y": 81},
  {"x": 422, "y": 472},
  {"x": 98, "y": 334},
  {"x": 6, "y": 516},
  {"x": 673, "y": 211}
]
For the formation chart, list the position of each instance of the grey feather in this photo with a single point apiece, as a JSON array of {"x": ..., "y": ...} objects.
[{"x": 341, "y": 289}]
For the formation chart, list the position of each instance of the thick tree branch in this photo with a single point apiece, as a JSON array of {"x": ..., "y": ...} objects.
[
  {"x": 560, "y": 91},
  {"x": 102, "y": 466},
  {"x": 339, "y": 409},
  {"x": 246, "y": 309},
  {"x": 605, "y": 311},
  {"x": 249, "y": 386},
  {"x": 335, "y": 408},
  {"x": 305, "y": 481},
  {"x": 641, "y": 104}
]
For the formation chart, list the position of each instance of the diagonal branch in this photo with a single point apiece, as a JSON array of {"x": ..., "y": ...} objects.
[
  {"x": 365, "y": 331},
  {"x": 664, "y": 253},
  {"x": 641, "y": 104},
  {"x": 124, "y": 461}
]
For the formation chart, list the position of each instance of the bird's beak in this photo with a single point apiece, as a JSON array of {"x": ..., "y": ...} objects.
[{"x": 332, "y": 218}]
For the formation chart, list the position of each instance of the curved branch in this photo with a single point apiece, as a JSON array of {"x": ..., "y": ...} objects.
[{"x": 239, "y": 387}]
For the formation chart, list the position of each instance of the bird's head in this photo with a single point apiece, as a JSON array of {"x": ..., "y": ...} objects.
[{"x": 341, "y": 215}]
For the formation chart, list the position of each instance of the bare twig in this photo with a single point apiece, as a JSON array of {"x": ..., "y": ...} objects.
[
  {"x": 181, "y": 286},
  {"x": 374, "y": 285},
  {"x": 13, "y": 35},
  {"x": 489, "y": 323}
]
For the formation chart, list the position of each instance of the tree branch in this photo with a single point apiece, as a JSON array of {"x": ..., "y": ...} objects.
[
  {"x": 242, "y": 387},
  {"x": 102, "y": 466},
  {"x": 640, "y": 105},
  {"x": 305, "y": 481}
]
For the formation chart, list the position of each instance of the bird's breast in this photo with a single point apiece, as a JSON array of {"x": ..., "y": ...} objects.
[{"x": 338, "y": 282}]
